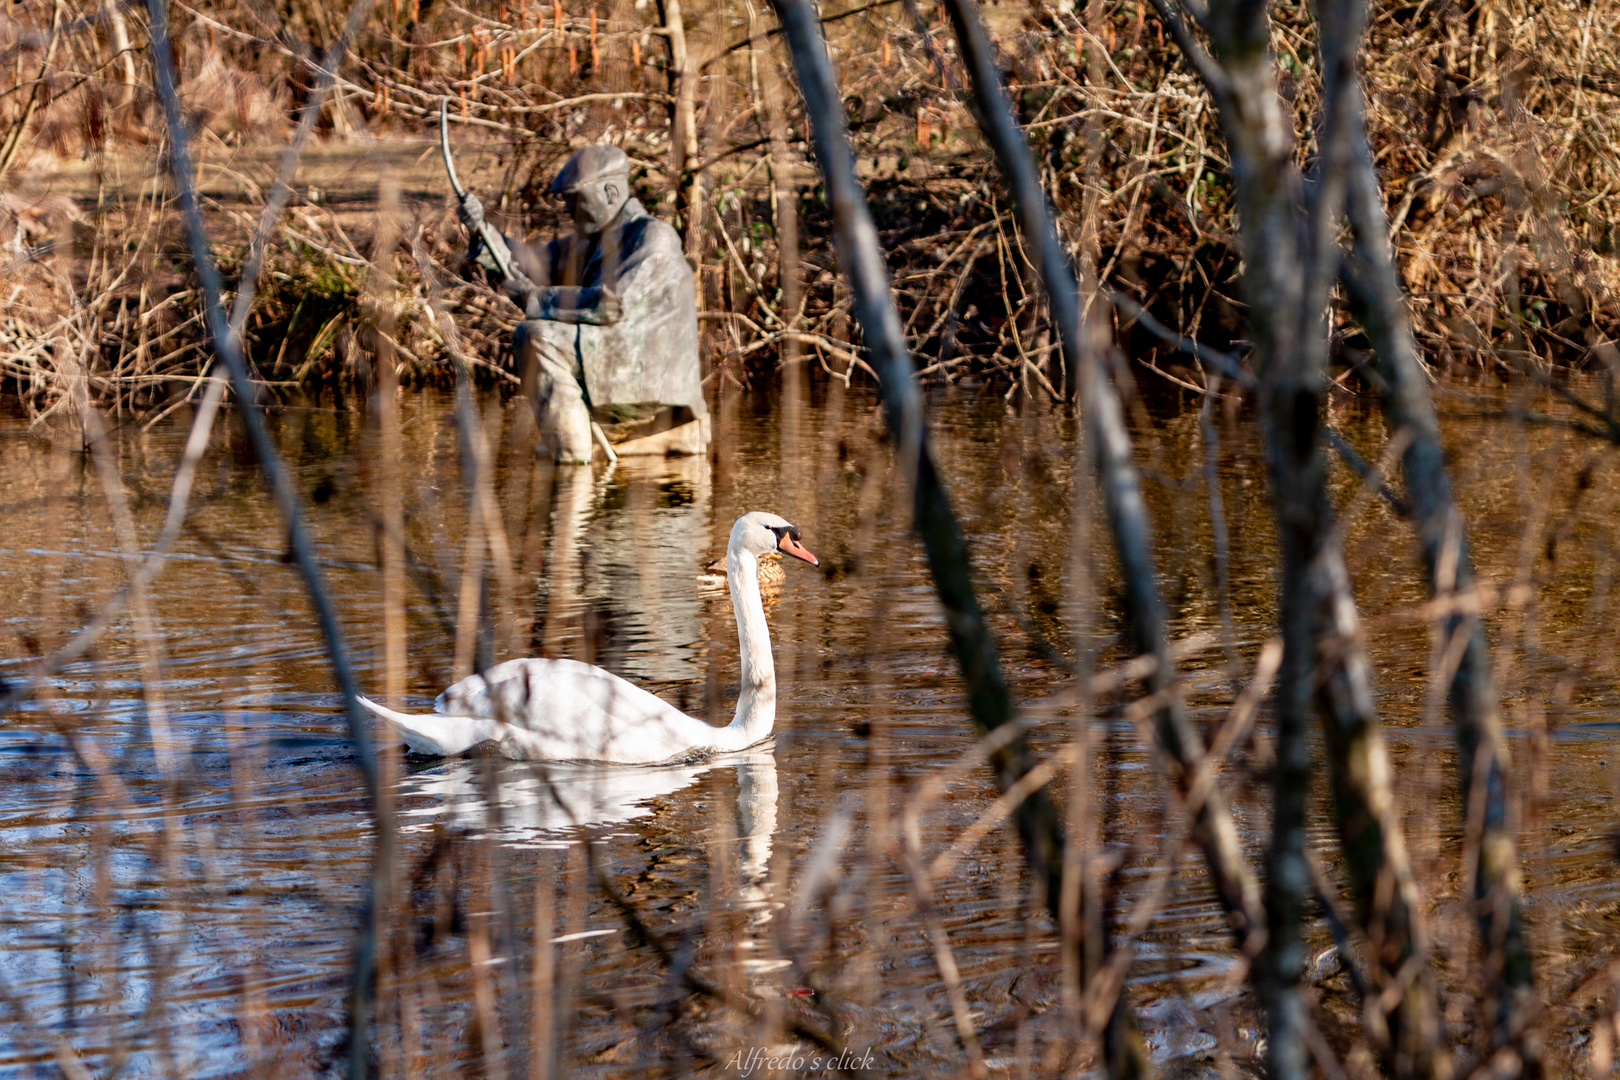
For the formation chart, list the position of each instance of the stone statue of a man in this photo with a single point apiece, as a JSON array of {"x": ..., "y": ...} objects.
[{"x": 610, "y": 319}]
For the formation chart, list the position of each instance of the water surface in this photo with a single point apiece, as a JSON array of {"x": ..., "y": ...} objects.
[{"x": 205, "y": 926}]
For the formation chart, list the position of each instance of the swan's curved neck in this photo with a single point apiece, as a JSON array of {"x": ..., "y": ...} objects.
[{"x": 756, "y": 704}]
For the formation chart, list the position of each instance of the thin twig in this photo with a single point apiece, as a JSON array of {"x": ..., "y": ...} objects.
[{"x": 290, "y": 505}]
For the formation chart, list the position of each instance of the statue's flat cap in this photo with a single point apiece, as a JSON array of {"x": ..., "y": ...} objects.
[{"x": 590, "y": 163}]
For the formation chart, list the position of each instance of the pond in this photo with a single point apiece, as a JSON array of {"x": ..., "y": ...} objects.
[{"x": 200, "y": 920}]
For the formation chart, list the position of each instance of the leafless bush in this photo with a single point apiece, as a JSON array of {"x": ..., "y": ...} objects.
[{"x": 1493, "y": 149}]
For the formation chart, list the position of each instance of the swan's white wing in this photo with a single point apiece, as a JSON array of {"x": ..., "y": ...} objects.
[
  {"x": 519, "y": 691},
  {"x": 563, "y": 710}
]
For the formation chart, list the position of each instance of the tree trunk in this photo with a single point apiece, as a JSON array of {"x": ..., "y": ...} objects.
[
  {"x": 1111, "y": 449},
  {"x": 685, "y": 155},
  {"x": 1290, "y": 254}
]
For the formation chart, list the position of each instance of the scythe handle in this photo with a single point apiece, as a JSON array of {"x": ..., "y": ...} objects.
[{"x": 493, "y": 241}]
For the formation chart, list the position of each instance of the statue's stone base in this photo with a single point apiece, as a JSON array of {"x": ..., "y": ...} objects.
[
  {"x": 652, "y": 430},
  {"x": 689, "y": 438}
]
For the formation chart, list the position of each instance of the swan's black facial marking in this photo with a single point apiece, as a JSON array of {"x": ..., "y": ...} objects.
[{"x": 787, "y": 543}]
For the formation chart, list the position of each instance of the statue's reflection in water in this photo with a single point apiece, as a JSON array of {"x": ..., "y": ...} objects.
[{"x": 626, "y": 545}]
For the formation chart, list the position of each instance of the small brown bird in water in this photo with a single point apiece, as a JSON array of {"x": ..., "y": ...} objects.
[{"x": 771, "y": 574}]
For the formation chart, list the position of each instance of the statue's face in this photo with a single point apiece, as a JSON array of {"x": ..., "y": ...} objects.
[{"x": 595, "y": 203}]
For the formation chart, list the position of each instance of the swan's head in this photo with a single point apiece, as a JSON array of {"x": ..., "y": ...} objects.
[{"x": 762, "y": 534}]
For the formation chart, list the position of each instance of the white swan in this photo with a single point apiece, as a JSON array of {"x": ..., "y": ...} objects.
[{"x": 563, "y": 710}]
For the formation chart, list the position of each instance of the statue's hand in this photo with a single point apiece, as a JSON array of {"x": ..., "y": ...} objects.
[
  {"x": 609, "y": 309},
  {"x": 484, "y": 257},
  {"x": 471, "y": 212},
  {"x": 517, "y": 289}
]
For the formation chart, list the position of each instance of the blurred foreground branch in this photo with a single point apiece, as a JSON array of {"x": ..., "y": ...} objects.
[
  {"x": 1290, "y": 251},
  {"x": 290, "y": 504},
  {"x": 860, "y": 257},
  {"x": 1482, "y": 756},
  {"x": 146, "y": 571},
  {"x": 1122, "y": 490}
]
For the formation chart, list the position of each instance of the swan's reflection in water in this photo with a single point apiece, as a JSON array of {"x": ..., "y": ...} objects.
[
  {"x": 756, "y": 827},
  {"x": 552, "y": 805}
]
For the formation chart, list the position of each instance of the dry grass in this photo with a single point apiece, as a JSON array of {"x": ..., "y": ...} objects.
[{"x": 1490, "y": 124}]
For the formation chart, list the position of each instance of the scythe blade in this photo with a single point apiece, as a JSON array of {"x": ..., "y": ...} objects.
[
  {"x": 444, "y": 149},
  {"x": 493, "y": 241}
]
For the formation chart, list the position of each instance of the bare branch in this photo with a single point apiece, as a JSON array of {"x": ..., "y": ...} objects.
[
  {"x": 1211, "y": 74},
  {"x": 860, "y": 257},
  {"x": 1482, "y": 758},
  {"x": 1111, "y": 448},
  {"x": 146, "y": 572},
  {"x": 290, "y": 505}
]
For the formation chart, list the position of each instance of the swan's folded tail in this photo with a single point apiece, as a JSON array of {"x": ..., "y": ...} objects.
[{"x": 435, "y": 733}]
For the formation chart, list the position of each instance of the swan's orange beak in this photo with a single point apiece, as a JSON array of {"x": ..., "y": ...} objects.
[{"x": 789, "y": 546}]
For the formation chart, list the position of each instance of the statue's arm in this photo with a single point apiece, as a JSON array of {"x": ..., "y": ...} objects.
[
  {"x": 559, "y": 303},
  {"x": 571, "y": 304},
  {"x": 526, "y": 262},
  {"x": 532, "y": 271}
]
